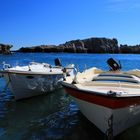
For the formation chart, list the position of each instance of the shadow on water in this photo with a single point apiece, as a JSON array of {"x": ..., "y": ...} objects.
[
  {"x": 52, "y": 117},
  {"x": 55, "y": 116},
  {"x": 132, "y": 133},
  {"x": 21, "y": 117},
  {"x": 49, "y": 117}
]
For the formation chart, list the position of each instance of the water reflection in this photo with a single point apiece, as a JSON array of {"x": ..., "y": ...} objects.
[
  {"x": 52, "y": 117},
  {"x": 55, "y": 116},
  {"x": 49, "y": 111}
]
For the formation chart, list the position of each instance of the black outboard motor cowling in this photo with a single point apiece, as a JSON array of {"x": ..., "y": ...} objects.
[
  {"x": 57, "y": 62},
  {"x": 113, "y": 64}
]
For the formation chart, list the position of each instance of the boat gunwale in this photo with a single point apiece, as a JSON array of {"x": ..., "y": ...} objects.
[
  {"x": 29, "y": 72},
  {"x": 67, "y": 85},
  {"x": 109, "y": 101}
]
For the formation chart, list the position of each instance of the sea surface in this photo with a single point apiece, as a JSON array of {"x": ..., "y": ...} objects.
[{"x": 55, "y": 116}]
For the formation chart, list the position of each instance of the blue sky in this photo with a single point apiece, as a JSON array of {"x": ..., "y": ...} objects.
[{"x": 35, "y": 22}]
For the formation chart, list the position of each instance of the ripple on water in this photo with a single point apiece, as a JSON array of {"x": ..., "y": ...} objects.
[
  {"x": 54, "y": 116},
  {"x": 58, "y": 124}
]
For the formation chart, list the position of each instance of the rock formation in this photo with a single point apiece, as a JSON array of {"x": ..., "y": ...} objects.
[
  {"x": 90, "y": 45},
  {"x": 5, "y": 49},
  {"x": 130, "y": 49}
]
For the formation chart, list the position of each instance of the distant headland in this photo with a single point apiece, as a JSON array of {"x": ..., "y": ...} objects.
[
  {"x": 89, "y": 45},
  {"x": 5, "y": 48}
]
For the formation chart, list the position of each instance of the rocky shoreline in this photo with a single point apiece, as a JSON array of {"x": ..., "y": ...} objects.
[
  {"x": 5, "y": 49},
  {"x": 89, "y": 45}
]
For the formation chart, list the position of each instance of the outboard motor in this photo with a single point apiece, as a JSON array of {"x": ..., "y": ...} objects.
[
  {"x": 57, "y": 62},
  {"x": 113, "y": 64}
]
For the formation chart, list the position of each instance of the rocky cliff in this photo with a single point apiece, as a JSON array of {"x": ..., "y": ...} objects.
[
  {"x": 130, "y": 49},
  {"x": 90, "y": 45},
  {"x": 5, "y": 49}
]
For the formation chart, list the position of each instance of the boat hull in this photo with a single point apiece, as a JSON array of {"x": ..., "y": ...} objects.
[
  {"x": 111, "y": 115},
  {"x": 26, "y": 85},
  {"x": 110, "y": 121}
]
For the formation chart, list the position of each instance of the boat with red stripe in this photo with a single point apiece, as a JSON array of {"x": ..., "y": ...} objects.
[{"x": 109, "y": 99}]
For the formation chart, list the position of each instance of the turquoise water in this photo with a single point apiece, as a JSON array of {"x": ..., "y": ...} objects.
[{"x": 55, "y": 116}]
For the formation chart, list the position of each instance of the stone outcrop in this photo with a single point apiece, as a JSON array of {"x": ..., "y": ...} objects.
[
  {"x": 90, "y": 45},
  {"x": 5, "y": 49},
  {"x": 101, "y": 45},
  {"x": 130, "y": 49}
]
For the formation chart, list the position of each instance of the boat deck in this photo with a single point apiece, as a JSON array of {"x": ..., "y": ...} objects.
[
  {"x": 109, "y": 83},
  {"x": 34, "y": 69},
  {"x": 120, "y": 91}
]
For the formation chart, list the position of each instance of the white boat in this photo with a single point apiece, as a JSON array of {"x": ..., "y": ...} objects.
[
  {"x": 34, "y": 79},
  {"x": 109, "y": 99}
]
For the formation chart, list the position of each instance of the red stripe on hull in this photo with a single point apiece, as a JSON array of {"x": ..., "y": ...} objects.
[{"x": 107, "y": 101}]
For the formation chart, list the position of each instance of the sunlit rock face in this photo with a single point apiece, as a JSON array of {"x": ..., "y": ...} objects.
[{"x": 90, "y": 45}]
